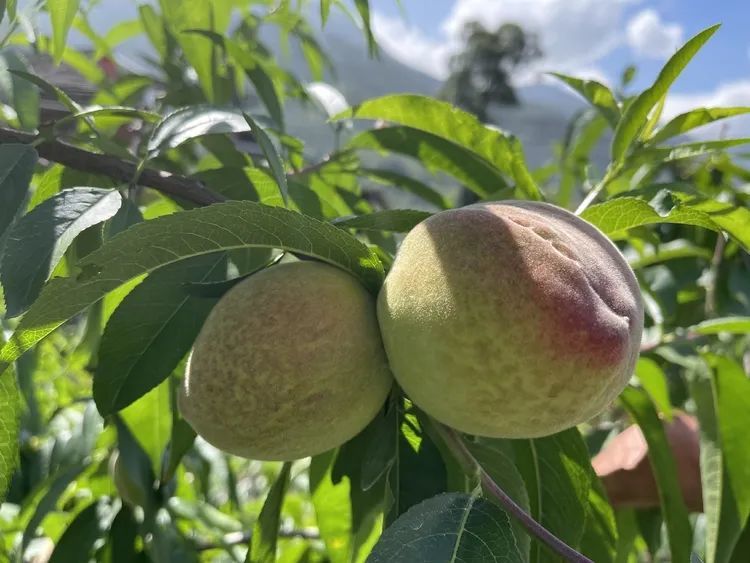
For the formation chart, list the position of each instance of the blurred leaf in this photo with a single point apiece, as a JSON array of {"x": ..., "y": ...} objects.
[
  {"x": 48, "y": 88},
  {"x": 557, "y": 472},
  {"x": 224, "y": 226},
  {"x": 653, "y": 380},
  {"x": 266, "y": 529},
  {"x": 447, "y": 528},
  {"x": 192, "y": 122},
  {"x": 435, "y": 154},
  {"x": 639, "y": 406},
  {"x": 181, "y": 440},
  {"x": 151, "y": 331},
  {"x": 623, "y": 213},
  {"x": 37, "y": 241},
  {"x": 733, "y": 325},
  {"x": 272, "y": 156},
  {"x": 407, "y": 184},
  {"x": 61, "y": 13},
  {"x": 693, "y": 119},
  {"x": 109, "y": 111},
  {"x": 597, "y": 94},
  {"x": 16, "y": 168},
  {"x": 148, "y": 422},
  {"x": 122, "y": 536},
  {"x": 394, "y": 220},
  {"x": 153, "y": 25},
  {"x": 635, "y": 116},
  {"x": 599, "y": 541},
  {"x": 16, "y": 91},
  {"x": 672, "y": 250},
  {"x": 10, "y": 412},
  {"x": 585, "y": 133},
  {"x": 688, "y": 150},
  {"x": 363, "y": 7},
  {"x": 450, "y": 123},
  {"x": 325, "y": 10},
  {"x": 80, "y": 536}
]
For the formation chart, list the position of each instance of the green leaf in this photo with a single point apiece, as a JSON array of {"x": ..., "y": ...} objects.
[
  {"x": 620, "y": 214},
  {"x": 692, "y": 119},
  {"x": 436, "y": 155},
  {"x": 455, "y": 125},
  {"x": 557, "y": 472},
  {"x": 10, "y": 412},
  {"x": 122, "y": 537},
  {"x": 37, "y": 241},
  {"x": 449, "y": 528},
  {"x": 597, "y": 94},
  {"x": 152, "y": 244},
  {"x": 363, "y": 7},
  {"x": 191, "y": 122},
  {"x": 325, "y": 10},
  {"x": 640, "y": 408},
  {"x": 78, "y": 540},
  {"x": 393, "y": 220},
  {"x": 407, "y": 184},
  {"x": 16, "y": 91},
  {"x": 732, "y": 325},
  {"x": 61, "y": 13},
  {"x": 266, "y": 529},
  {"x": 272, "y": 156},
  {"x": 672, "y": 250},
  {"x": 653, "y": 380},
  {"x": 48, "y": 88},
  {"x": 151, "y": 331},
  {"x": 635, "y": 116},
  {"x": 585, "y": 133},
  {"x": 688, "y": 150},
  {"x": 17, "y": 164},
  {"x": 599, "y": 541},
  {"x": 153, "y": 24}
]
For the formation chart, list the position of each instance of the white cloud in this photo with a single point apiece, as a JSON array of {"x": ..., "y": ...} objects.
[
  {"x": 649, "y": 36},
  {"x": 574, "y": 34}
]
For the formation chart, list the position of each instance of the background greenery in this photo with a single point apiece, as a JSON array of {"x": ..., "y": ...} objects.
[{"x": 130, "y": 203}]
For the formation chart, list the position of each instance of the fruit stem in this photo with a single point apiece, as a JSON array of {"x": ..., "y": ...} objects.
[{"x": 464, "y": 455}]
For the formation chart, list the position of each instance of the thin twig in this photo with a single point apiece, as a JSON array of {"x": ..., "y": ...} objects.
[
  {"x": 462, "y": 453},
  {"x": 241, "y": 538},
  {"x": 119, "y": 170}
]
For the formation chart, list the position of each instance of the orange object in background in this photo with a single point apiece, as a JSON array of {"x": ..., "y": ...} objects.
[{"x": 626, "y": 473}]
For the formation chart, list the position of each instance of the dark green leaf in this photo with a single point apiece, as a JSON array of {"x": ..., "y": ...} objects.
[
  {"x": 152, "y": 244},
  {"x": 635, "y": 116},
  {"x": 692, "y": 119},
  {"x": 61, "y": 14},
  {"x": 18, "y": 163},
  {"x": 182, "y": 439},
  {"x": 10, "y": 412},
  {"x": 122, "y": 537},
  {"x": 640, "y": 408},
  {"x": 151, "y": 331},
  {"x": 266, "y": 529},
  {"x": 363, "y": 7},
  {"x": 597, "y": 94},
  {"x": 37, "y": 241},
  {"x": 407, "y": 184},
  {"x": 272, "y": 156},
  {"x": 449, "y": 528},
  {"x": 450, "y": 123},
  {"x": 16, "y": 91},
  {"x": 78, "y": 540},
  {"x": 394, "y": 220}
]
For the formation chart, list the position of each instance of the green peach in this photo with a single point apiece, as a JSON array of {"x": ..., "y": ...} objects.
[
  {"x": 288, "y": 364},
  {"x": 510, "y": 319}
]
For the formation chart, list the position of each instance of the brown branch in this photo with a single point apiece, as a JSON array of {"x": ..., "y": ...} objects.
[{"x": 115, "y": 168}]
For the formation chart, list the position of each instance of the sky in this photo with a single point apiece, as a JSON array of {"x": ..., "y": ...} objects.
[{"x": 587, "y": 38}]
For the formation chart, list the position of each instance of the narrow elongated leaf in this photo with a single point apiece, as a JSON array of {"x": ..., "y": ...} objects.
[
  {"x": 152, "y": 244},
  {"x": 325, "y": 10},
  {"x": 597, "y": 94},
  {"x": 272, "y": 156},
  {"x": 10, "y": 412},
  {"x": 653, "y": 380},
  {"x": 394, "y": 220},
  {"x": 459, "y": 127},
  {"x": 733, "y": 325},
  {"x": 266, "y": 529},
  {"x": 693, "y": 119},
  {"x": 151, "y": 331},
  {"x": 192, "y": 122},
  {"x": 449, "y": 528},
  {"x": 635, "y": 116},
  {"x": 79, "y": 537},
  {"x": 38, "y": 240},
  {"x": 407, "y": 184},
  {"x": 16, "y": 91},
  {"x": 61, "y": 13},
  {"x": 363, "y": 7},
  {"x": 639, "y": 406},
  {"x": 16, "y": 168},
  {"x": 436, "y": 154},
  {"x": 688, "y": 150}
]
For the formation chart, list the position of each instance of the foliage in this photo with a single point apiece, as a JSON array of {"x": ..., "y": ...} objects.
[{"x": 126, "y": 216}]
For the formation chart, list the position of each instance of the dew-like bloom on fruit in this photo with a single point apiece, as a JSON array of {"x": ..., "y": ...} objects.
[
  {"x": 510, "y": 319},
  {"x": 288, "y": 364}
]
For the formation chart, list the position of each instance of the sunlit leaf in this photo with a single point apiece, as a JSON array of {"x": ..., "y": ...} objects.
[
  {"x": 597, "y": 94},
  {"x": 266, "y": 529},
  {"x": 61, "y": 13},
  {"x": 693, "y": 119}
]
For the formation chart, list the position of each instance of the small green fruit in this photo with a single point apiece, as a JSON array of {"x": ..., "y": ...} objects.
[
  {"x": 128, "y": 488},
  {"x": 512, "y": 319},
  {"x": 288, "y": 364}
]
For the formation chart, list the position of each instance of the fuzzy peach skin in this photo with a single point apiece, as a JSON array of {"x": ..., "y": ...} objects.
[
  {"x": 288, "y": 364},
  {"x": 510, "y": 319}
]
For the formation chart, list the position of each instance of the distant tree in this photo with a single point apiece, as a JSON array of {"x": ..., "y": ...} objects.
[{"x": 480, "y": 74}]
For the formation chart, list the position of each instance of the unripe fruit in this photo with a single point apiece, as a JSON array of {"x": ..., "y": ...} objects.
[
  {"x": 128, "y": 488},
  {"x": 510, "y": 319},
  {"x": 288, "y": 364}
]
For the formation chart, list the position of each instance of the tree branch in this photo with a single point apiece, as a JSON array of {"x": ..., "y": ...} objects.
[
  {"x": 534, "y": 528},
  {"x": 115, "y": 168}
]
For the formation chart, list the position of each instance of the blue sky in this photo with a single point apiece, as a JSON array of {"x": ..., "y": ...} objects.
[{"x": 595, "y": 38}]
